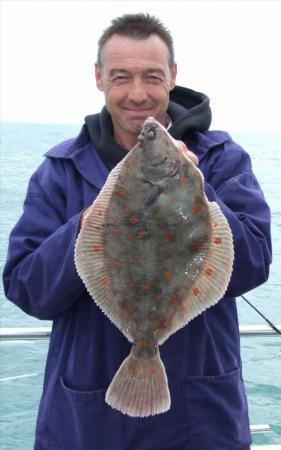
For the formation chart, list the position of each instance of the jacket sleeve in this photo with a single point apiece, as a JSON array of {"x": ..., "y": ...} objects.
[
  {"x": 232, "y": 184},
  {"x": 40, "y": 275}
]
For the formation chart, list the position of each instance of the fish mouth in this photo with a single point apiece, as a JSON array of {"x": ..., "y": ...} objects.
[{"x": 148, "y": 132}]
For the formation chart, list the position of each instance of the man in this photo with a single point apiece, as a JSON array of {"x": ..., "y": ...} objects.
[{"x": 137, "y": 73}]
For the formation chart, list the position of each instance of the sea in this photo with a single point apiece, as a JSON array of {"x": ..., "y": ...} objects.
[{"x": 22, "y": 362}]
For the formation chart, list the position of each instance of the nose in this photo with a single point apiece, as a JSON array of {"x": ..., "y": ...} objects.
[{"x": 137, "y": 92}]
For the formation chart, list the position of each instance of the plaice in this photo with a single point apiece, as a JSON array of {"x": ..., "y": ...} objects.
[{"x": 153, "y": 253}]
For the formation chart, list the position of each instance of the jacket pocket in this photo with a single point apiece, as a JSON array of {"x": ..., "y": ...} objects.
[
  {"x": 81, "y": 420},
  {"x": 216, "y": 412}
]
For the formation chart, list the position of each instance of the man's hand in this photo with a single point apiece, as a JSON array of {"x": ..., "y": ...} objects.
[
  {"x": 181, "y": 145},
  {"x": 84, "y": 216}
]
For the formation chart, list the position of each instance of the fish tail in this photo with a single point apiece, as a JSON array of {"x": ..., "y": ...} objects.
[{"x": 140, "y": 387}]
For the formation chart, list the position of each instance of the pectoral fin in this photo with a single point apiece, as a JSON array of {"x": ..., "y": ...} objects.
[{"x": 153, "y": 194}]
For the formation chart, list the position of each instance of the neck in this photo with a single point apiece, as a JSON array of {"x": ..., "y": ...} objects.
[{"x": 127, "y": 141}]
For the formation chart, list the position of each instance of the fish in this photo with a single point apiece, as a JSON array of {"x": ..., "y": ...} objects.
[{"x": 153, "y": 253}]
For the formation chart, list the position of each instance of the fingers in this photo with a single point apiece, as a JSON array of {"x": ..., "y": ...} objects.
[
  {"x": 193, "y": 157},
  {"x": 84, "y": 216},
  {"x": 188, "y": 153}
]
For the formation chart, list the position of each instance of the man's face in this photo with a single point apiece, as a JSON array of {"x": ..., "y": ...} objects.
[{"x": 136, "y": 79}]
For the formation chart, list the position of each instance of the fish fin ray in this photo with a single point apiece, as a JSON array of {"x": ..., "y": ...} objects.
[
  {"x": 140, "y": 387},
  {"x": 215, "y": 274},
  {"x": 91, "y": 266}
]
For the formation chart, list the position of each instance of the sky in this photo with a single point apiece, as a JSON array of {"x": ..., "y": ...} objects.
[{"x": 230, "y": 50}]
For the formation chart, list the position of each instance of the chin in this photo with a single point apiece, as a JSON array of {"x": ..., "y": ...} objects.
[{"x": 137, "y": 124}]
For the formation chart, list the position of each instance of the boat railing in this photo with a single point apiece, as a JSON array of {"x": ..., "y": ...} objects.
[
  {"x": 35, "y": 333},
  {"x": 24, "y": 333}
]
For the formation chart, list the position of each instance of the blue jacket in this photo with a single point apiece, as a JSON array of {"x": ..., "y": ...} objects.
[{"x": 208, "y": 402}]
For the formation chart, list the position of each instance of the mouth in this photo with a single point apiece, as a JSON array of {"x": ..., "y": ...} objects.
[{"x": 144, "y": 112}]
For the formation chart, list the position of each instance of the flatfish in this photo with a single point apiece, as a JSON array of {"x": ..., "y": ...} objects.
[{"x": 153, "y": 253}]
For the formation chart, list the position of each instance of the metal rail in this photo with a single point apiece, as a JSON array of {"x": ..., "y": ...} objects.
[
  {"x": 18, "y": 334},
  {"x": 260, "y": 428},
  {"x": 34, "y": 333},
  {"x": 23, "y": 334},
  {"x": 258, "y": 330},
  {"x": 266, "y": 447}
]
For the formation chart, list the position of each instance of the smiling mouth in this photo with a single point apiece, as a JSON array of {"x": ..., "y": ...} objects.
[{"x": 138, "y": 111}]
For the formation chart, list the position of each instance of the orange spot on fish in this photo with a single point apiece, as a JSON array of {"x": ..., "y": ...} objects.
[
  {"x": 143, "y": 343},
  {"x": 97, "y": 248},
  {"x": 185, "y": 180},
  {"x": 120, "y": 194},
  {"x": 162, "y": 256},
  {"x": 196, "y": 209},
  {"x": 196, "y": 291},
  {"x": 133, "y": 220},
  {"x": 96, "y": 227},
  {"x": 169, "y": 237},
  {"x": 169, "y": 276},
  {"x": 132, "y": 369},
  {"x": 100, "y": 213},
  {"x": 215, "y": 225},
  {"x": 173, "y": 298},
  {"x": 151, "y": 371},
  {"x": 105, "y": 281},
  {"x": 146, "y": 287},
  {"x": 157, "y": 297},
  {"x": 126, "y": 209},
  {"x": 128, "y": 307},
  {"x": 143, "y": 234},
  {"x": 162, "y": 323},
  {"x": 130, "y": 236},
  {"x": 194, "y": 246},
  {"x": 209, "y": 272},
  {"x": 217, "y": 240},
  {"x": 117, "y": 264}
]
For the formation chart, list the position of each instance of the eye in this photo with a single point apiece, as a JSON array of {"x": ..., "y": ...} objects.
[
  {"x": 120, "y": 79},
  {"x": 153, "y": 78}
]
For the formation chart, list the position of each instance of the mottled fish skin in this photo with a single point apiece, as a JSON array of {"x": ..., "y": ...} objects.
[
  {"x": 161, "y": 246},
  {"x": 154, "y": 253}
]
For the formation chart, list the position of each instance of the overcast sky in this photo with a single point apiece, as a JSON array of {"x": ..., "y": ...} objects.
[{"x": 229, "y": 50}]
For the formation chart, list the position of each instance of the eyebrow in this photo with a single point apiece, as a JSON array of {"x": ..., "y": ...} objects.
[
  {"x": 127, "y": 72},
  {"x": 117, "y": 71},
  {"x": 158, "y": 71}
]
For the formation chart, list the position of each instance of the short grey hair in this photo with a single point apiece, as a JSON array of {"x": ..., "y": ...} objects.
[{"x": 139, "y": 27}]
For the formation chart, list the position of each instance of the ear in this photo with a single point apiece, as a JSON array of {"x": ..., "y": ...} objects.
[
  {"x": 173, "y": 71},
  {"x": 98, "y": 75}
]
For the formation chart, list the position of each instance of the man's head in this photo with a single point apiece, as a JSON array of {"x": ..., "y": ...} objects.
[{"x": 136, "y": 71}]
